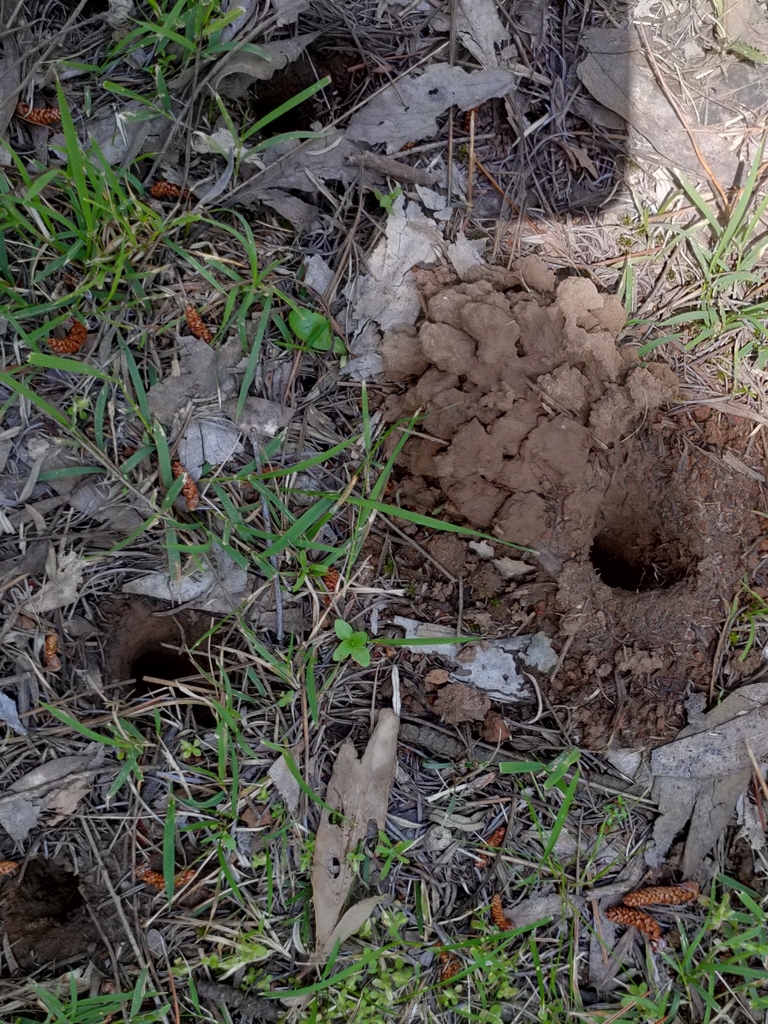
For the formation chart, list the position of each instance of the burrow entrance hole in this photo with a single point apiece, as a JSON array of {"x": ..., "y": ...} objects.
[
  {"x": 147, "y": 645},
  {"x": 44, "y": 913},
  {"x": 158, "y": 662},
  {"x": 625, "y": 561}
]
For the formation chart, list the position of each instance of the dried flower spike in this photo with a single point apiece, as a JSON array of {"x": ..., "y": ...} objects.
[
  {"x": 636, "y": 919},
  {"x": 154, "y": 878},
  {"x": 331, "y": 581},
  {"x": 8, "y": 866},
  {"x": 669, "y": 895},
  {"x": 167, "y": 190},
  {"x": 497, "y": 914},
  {"x": 451, "y": 965},
  {"x": 51, "y": 652},
  {"x": 72, "y": 342},
  {"x": 145, "y": 874},
  {"x": 46, "y": 116},
  {"x": 189, "y": 490},
  {"x": 196, "y": 325},
  {"x": 494, "y": 841}
]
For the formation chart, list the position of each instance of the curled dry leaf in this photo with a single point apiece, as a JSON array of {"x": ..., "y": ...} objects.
[
  {"x": 498, "y": 916},
  {"x": 196, "y": 325},
  {"x": 54, "y": 788},
  {"x": 46, "y": 116},
  {"x": 670, "y": 895},
  {"x": 51, "y": 652},
  {"x": 71, "y": 342},
  {"x": 7, "y": 867},
  {"x": 189, "y": 489},
  {"x": 636, "y": 919},
  {"x": 167, "y": 190}
]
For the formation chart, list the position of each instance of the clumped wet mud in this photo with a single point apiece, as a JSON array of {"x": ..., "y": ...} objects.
[{"x": 540, "y": 428}]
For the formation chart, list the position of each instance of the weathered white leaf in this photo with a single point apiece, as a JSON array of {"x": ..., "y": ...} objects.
[
  {"x": 62, "y": 587},
  {"x": 9, "y": 713},
  {"x": 388, "y": 295},
  {"x": 57, "y": 785},
  {"x": 359, "y": 791},
  {"x": 407, "y": 110},
  {"x": 285, "y": 783}
]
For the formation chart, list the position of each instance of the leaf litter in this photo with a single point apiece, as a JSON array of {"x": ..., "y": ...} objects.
[{"x": 210, "y": 437}]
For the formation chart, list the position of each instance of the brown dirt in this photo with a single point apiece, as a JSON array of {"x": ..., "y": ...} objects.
[
  {"x": 145, "y": 642},
  {"x": 540, "y": 429},
  {"x": 45, "y": 915}
]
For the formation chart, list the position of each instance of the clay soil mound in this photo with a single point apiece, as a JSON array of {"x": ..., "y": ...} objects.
[{"x": 538, "y": 427}]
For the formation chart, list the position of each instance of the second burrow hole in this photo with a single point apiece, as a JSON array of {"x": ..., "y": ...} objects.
[{"x": 148, "y": 646}]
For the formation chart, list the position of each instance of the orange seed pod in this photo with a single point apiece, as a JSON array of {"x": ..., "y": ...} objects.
[
  {"x": 72, "y": 342},
  {"x": 189, "y": 490},
  {"x": 162, "y": 189},
  {"x": 494, "y": 841},
  {"x": 8, "y": 866},
  {"x": 51, "y": 652},
  {"x": 46, "y": 116},
  {"x": 636, "y": 919},
  {"x": 331, "y": 580},
  {"x": 451, "y": 965},
  {"x": 145, "y": 874},
  {"x": 196, "y": 325},
  {"x": 498, "y": 916},
  {"x": 669, "y": 895},
  {"x": 183, "y": 878}
]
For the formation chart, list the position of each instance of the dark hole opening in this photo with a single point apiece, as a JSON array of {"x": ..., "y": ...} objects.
[
  {"x": 47, "y": 893},
  {"x": 161, "y": 663},
  {"x": 625, "y": 565}
]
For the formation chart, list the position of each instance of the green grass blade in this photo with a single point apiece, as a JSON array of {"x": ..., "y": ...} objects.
[
  {"x": 169, "y": 848},
  {"x": 138, "y": 384},
  {"x": 294, "y": 101},
  {"x": 163, "y": 455},
  {"x": 253, "y": 357}
]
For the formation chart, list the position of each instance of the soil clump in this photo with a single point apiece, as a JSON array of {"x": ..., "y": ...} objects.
[{"x": 538, "y": 427}]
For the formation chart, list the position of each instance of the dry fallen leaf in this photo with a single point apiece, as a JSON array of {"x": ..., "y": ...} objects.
[
  {"x": 62, "y": 587},
  {"x": 407, "y": 111},
  {"x": 56, "y": 786},
  {"x": 285, "y": 783},
  {"x": 9, "y": 714},
  {"x": 702, "y": 773},
  {"x": 389, "y": 294},
  {"x": 243, "y": 68},
  {"x": 358, "y": 792}
]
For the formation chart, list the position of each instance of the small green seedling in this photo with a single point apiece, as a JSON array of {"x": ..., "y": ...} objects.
[
  {"x": 387, "y": 199},
  {"x": 191, "y": 749},
  {"x": 353, "y": 644}
]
